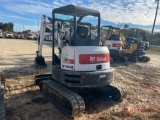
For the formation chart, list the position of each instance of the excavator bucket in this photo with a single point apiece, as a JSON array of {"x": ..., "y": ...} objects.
[{"x": 40, "y": 62}]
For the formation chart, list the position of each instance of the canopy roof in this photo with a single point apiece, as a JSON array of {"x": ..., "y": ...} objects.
[{"x": 78, "y": 11}]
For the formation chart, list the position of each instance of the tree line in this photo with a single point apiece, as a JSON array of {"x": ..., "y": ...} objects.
[{"x": 6, "y": 26}]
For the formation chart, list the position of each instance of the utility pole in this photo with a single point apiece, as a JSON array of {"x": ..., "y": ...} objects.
[{"x": 154, "y": 19}]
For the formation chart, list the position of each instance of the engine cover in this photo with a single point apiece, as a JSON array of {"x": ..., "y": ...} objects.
[{"x": 85, "y": 58}]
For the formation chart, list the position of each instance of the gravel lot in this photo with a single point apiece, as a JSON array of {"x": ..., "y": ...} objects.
[{"x": 24, "y": 101}]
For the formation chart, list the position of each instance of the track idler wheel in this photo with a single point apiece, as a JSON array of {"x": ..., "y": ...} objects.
[
  {"x": 40, "y": 62},
  {"x": 144, "y": 59}
]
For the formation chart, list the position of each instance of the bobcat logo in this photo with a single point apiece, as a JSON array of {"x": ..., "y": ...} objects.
[{"x": 92, "y": 59}]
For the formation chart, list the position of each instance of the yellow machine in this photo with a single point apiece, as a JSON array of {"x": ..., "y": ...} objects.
[
  {"x": 135, "y": 46},
  {"x": 132, "y": 48}
]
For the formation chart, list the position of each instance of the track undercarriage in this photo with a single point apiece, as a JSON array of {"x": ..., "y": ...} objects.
[
  {"x": 127, "y": 57},
  {"x": 135, "y": 59},
  {"x": 68, "y": 100}
]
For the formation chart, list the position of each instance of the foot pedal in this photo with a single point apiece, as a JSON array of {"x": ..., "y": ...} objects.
[{"x": 40, "y": 62}]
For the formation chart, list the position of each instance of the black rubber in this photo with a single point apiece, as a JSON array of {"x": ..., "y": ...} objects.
[
  {"x": 123, "y": 59},
  {"x": 2, "y": 105},
  {"x": 144, "y": 59},
  {"x": 114, "y": 91},
  {"x": 69, "y": 102},
  {"x": 133, "y": 58}
]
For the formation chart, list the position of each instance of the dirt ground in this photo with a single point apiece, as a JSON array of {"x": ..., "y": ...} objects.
[{"x": 25, "y": 102}]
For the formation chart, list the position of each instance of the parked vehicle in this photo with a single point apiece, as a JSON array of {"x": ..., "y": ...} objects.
[
  {"x": 1, "y": 35},
  {"x": 9, "y": 35},
  {"x": 20, "y": 36},
  {"x": 31, "y": 37},
  {"x": 48, "y": 37}
]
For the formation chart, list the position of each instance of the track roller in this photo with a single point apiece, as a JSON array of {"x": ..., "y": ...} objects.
[{"x": 40, "y": 62}]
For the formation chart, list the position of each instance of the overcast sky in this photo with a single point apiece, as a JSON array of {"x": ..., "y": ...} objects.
[{"x": 26, "y": 14}]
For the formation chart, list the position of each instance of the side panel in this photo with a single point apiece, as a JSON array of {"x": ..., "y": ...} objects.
[
  {"x": 114, "y": 45},
  {"x": 91, "y": 58},
  {"x": 67, "y": 58}
]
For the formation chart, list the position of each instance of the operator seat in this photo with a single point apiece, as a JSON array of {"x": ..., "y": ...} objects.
[
  {"x": 82, "y": 31},
  {"x": 82, "y": 36},
  {"x": 114, "y": 37}
]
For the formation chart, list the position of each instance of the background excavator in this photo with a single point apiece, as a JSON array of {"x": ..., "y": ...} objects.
[
  {"x": 130, "y": 48},
  {"x": 135, "y": 46},
  {"x": 82, "y": 64},
  {"x": 112, "y": 38}
]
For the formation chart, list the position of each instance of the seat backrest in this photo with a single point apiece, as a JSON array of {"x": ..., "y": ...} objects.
[{"x": 82, "y": 31}]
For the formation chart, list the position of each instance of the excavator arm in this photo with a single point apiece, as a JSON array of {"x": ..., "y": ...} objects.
[{"x": 39, "y": 59}]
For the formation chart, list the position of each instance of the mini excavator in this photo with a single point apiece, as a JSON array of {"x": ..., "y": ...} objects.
[
  {"x": 82, "y": 64},
  {"x": 136, "y": 46},
  {"x": 124, "y": 49},
  {"x": 112, "y": 38}
]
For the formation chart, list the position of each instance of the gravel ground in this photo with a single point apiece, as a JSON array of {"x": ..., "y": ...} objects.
[{"x": 24, "y": 101}]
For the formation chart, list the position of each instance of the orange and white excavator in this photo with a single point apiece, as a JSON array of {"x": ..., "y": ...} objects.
[{"x": 82, "y": 64}]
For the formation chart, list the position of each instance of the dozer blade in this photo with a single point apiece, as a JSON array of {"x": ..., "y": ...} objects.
[
  {"x": 40, "y": 62},
  {"x": 69, "y": 102},
  {"x": 39, "y": 78}
]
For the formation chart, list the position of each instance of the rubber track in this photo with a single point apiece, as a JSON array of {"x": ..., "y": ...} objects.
[
  {"x": 76, "y": 101},
  {"x": 144, "y": 57},
  {"x": 2, "y": 105},
  {"x": 122, "y": 90}
]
